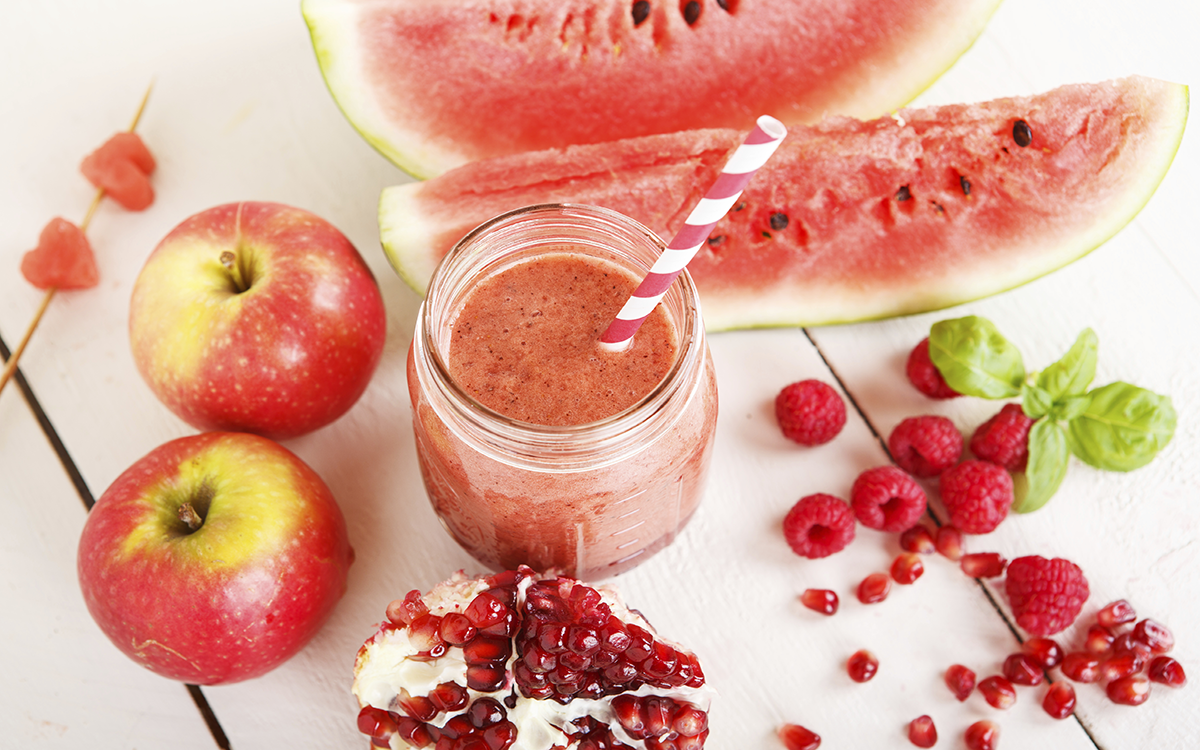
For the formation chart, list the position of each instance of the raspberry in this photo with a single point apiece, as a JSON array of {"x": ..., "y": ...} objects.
[
  {"x": 925, "y": 376},
  {"x": 977, "y": 495},
  {"x": 1004, "y": 439},
  {"x": 818, "y": 526},
  {"x": 1045, "y": 595},
  {"x": 887, "y": 499},
  {"x": 925, "y": 446},
  {"x": 810, "y": 412}
]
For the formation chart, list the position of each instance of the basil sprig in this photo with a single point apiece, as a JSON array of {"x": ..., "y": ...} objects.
[{"x": 1117, "y": 427}]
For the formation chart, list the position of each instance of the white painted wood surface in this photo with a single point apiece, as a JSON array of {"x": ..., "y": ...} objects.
[{"x": 239, "y": 111}]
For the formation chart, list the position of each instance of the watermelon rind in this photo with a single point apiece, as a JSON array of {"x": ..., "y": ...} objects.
[
  {"x": 421, "y": 131},
  {"x": 416, "y": 229}
]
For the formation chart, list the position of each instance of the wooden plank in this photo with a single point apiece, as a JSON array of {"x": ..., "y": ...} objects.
[
  {"x": 63, "y": 683},
  {"x": 259, "y": 124}
]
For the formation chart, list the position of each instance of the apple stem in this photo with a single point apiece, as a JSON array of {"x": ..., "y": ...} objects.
[
  {"x": 229, "y": 260},
  {"x": 189, "y": 516}
]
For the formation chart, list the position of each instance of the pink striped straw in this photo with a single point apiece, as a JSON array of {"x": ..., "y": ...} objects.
[{"x": 768, "y": 133}]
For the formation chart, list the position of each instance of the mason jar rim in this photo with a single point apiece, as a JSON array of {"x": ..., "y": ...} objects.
[{"x": 508, "y": 435}]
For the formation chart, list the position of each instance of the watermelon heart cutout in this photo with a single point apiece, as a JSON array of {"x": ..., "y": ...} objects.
[
  {"x": 63, "y": 258},
  {"x": 121, "y": 167},
  {"x": 849, "y": 220},
  {"x": 433, "y": 85}
]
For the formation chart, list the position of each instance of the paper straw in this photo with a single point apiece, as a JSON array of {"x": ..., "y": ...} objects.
[{"x": 768, "y": 133}]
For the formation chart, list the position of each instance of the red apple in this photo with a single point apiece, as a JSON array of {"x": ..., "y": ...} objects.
[
  {"x": 257, "y": 317},
  {"x": 214, "y": 558}
]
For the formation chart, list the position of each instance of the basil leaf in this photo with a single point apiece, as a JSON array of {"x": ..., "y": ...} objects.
[
  {"x": 1035, "y": 402},
  {"x": 1123, "y": 427},
  {"x": 1048, "y": 461},
  {"x": 1071, "y": 375},
  {"x": 1066, "y": 409},
  {"x": 975, "y": 359}
]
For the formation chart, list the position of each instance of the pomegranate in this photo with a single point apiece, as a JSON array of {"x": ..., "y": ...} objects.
[
  {"x": 1059, "y": 701},
  {"x": 960, "y": 680},
  {"x": 1116, "y": 613},
  {"x": 922, "y": 732},
  {"x": 998, "y": 692},
  {"x": 1045, "y": 652},
  {"x": 862, "y": 665},
  {"x": 520, "y": 661},
  {"x": 982, "y": 735}
]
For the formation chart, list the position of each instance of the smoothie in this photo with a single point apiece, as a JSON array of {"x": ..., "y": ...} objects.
[
  {"x": 526, "y": 343},
  {"x": 536, "y": 446}
]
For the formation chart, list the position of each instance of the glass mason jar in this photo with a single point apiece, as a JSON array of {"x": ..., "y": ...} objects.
[{"x": 588, "y": 500}]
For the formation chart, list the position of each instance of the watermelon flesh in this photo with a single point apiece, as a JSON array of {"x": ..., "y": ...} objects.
[
  {"x": 121, "y": 167},
  {"x": 63, "y": 258},
  {"x": 433, "y": 85},
  {"x": 849, "y": 220}
]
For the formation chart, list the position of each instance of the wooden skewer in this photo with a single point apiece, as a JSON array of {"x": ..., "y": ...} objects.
[{"x": 11, "y": 366}]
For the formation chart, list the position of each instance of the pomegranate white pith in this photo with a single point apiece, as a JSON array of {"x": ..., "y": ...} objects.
[{"x": 517, "y": 661}]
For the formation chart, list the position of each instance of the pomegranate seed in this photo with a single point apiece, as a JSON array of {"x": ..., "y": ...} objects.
[
  {"x": 1060, "y": 700},
  {"x": 403, "y": 611},
  {"x": 1081, "y": 666},
  {"x": 874, "y": 588},
  {"x": 690, "y": 721},
  {"x": 417, "y": 706},
  {"x": 907, "y": 568},
  {"x": 1099, "y": 639},
  {"x": 1129, "y": 691},
  {"x": 1155, "y": 635},
  {"x": 983, "y": 564},
  {"x": 424, "y": 635},
  {"x": 1121, "y": 665},
  {"x": 949, "y": 542},
  {"x": 456, "y": 629},
  {"x": 485, "y": 679},
  {"x": 922, "y": 732},
  {"x": 1045, "y": 652},
  {"x": 918, "y": 540},
  {"x": 500, "y": 736},
  {"x": 960, "y": 680},
  {"x": 1116, "y": 613},
  {"x": 998, "y": 692},
  {"x": 1021, "y": 670},
  {"x": 1127, "y": 642},
  {"x": 485, "y": 712},
  {"x": 796, "y": 737},
  {"x": 862, "y": 665},
  {"x": 1167, "y": 671},
  {"x": 375, "y": 722},
  {"x": 485, "y": 609},
  {"x": 820, "y": 600},
  {"x": 449, "y": 696},
  {"x": 982, "y": 735}
]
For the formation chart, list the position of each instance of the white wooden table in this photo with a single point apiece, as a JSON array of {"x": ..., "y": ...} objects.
[{"x": 239, "y": 111}]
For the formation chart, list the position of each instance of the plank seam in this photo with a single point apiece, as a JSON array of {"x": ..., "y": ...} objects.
[
  {"x": 928, "y": 508},
  {"x": 85, "y": 495}
]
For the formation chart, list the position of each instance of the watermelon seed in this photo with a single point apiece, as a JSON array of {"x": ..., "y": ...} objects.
[
  {"x": 641, "y": 11},
  {"x": 691, "y": 12},
  {"x": 716, "y": 240},
  {"x": 1022, "y": 133},
  {"x": 903, "y": 193},
  {"x": 779, "y": 220},
  {"x": 741, "y": 205},
  {"x": 724, "y": 4},
  {"x": 938, "y": 207},
  {"x": 766, "y": 234},
  {"x": 964, "y": 184}
]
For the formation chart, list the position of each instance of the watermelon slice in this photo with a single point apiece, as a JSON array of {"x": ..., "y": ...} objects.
[
  {"x": 433, "y": 85},
  {"x": 63, "y": 258},
  {"x": 122, "y": 168},
  {"x": 849, "y": 220}
]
